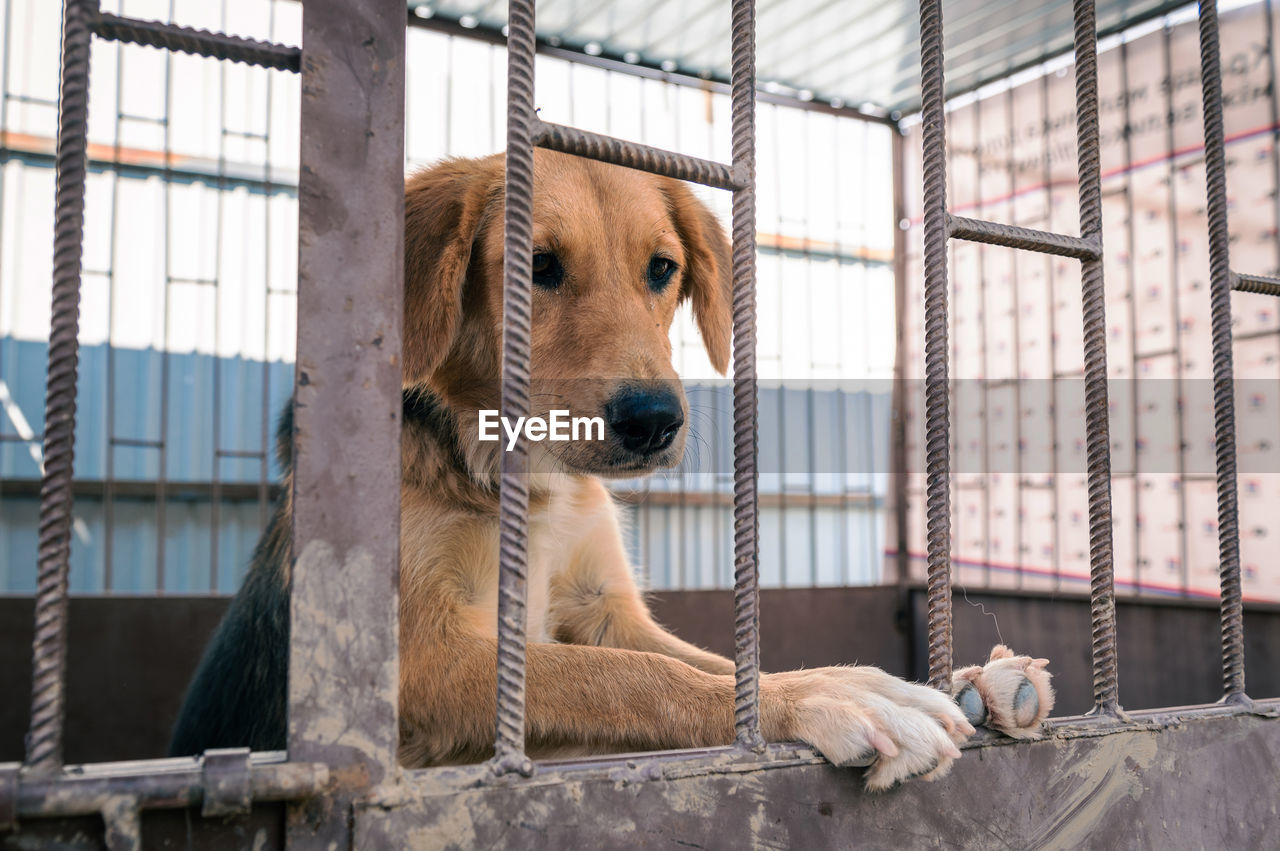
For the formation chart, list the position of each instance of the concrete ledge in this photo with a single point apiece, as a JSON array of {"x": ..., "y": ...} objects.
[{"x": 1184, "y": 782}]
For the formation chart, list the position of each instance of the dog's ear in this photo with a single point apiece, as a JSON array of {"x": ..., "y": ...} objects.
[
  {"x": 708, "y": 273},
  {"x": 444, "y": 209}
]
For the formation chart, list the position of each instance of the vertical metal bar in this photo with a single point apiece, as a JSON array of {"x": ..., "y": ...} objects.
[
  {"x": 109, "y": 483},
  {"x": 166, "y": 358},
  {"x": 958, "y": 522},
  {"x": 902, "y": 504},
  {"x": 1179, "y": 424},
  {"x": 1012, "y": 172},
  {"x": 1269, "y": 16},
  {"x": 984, "y": 385},
  {"x": 779, "y": 397},
  {"x": 937, "y": 401},
  {"x": 1224, "y": 416},
  {"x": 844, "y": 571},
  {"x": 1132, "y": 303},
  {"x": 448, "y": 96},
  {"x": 1102, "y": 601},
  {"x": 4, "y": 134},
  {"x": 347, "y": 405},
  {"x": 517, "y": 283},
  {"x": 215, "y": 500},
  {"x": 806, "y": 254},
  {"x": 49, "y": 648},
  {"x": 678, "y": 541},
  {"x": 1050, "y": 281},
  {"x": 264, "y": 439},
  {"x": 746, "y": 521}
]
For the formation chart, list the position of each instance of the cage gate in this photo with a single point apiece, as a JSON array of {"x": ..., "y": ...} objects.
[{"x": 340, "y": 777}]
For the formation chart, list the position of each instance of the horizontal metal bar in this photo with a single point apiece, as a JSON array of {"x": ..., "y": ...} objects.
[
  {"x": 158, "y": 784},
  {"x": 146, "y": 489},
  {"x": 1262, "y": 284},
  {"x": 716, "y": 499},
  {"x": 1012, "y": 236},
  {"x": 240, "y": 453},
  {"x": 33, "y": 100},
  {"x": 1081, "y": 595},
  {"x": 570, "y": 140},
  {"x": 246, "y": 134},
  {"x": 198, "y": 42},
  {"x": 142, "y": 119},
  {"x": 136, "y": 442}
]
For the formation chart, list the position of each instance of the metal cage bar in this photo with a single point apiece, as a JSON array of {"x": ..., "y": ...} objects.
[
  {"x": 1261, "y": 284},
  {"x": 596, "y": 146},
  {"x": 1102, "y": 598},
  {"x": 1224, "y": 416},
  {"x": 937, "y": 389},
  {"x": 517, "y": 286},
  {"x": 343, "y": 682},
  {"x": 199, "y": 42},
  {"x": 524, "y": 132},
  {"x": 1027, "y": 239},
  {"x": 49, "y": 663},
  {"x": 746, "y": 520}
]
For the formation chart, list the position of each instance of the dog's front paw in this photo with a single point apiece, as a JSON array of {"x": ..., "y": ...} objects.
[
  {"x": 856, "y": 716},
  {"x": 1010, "y": 693}
]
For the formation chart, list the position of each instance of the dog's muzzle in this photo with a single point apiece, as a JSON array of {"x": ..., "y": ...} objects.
[{"x": 645, "y": 419}]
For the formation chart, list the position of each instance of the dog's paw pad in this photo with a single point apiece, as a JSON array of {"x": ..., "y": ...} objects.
[
  {"x": 1011, "y": 692},
  {"x": 1026, "y": 704},
  {"x": 970, "y": 701}
]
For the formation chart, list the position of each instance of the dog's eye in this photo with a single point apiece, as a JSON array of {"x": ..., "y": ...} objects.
[
  {"x": 660, "y": 271},
  {"x": 547, "y": 271}
]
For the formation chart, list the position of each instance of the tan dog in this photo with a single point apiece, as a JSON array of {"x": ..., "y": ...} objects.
[{"x": 616, "y": 252}]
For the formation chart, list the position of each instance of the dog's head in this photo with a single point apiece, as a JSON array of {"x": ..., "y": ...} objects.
[{"x": 615, "y": 252}]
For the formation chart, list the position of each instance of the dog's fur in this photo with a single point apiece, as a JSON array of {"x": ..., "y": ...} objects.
[{"x": 602, "y": 675}]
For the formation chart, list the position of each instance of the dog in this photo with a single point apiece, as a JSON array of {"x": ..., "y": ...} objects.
[{"x": 616, "y": 253}]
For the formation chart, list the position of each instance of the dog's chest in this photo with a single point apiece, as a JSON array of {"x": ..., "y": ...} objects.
[{"x": 558, "y": 531}]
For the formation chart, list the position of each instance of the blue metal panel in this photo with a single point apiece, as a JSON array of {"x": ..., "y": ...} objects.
[{"x": 835, "y": 442}]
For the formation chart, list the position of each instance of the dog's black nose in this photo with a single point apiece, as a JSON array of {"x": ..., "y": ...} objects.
[{"x": 645, "y": 419}]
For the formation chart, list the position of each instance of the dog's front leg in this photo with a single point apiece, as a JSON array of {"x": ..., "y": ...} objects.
[
  {"x": 578, "y": 699},
  {"x": 600, "y": 699},
  {"x": 595, "y": 601},
  {"x": 608, "y": 611}
]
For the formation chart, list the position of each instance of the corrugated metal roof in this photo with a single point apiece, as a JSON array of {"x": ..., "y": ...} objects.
[{"x": 854, "y": 51}]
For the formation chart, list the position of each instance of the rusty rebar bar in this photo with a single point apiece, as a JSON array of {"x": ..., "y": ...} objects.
[
  {"x": 517, "y": 283},
  {"x": 49, "y": 648},
  {"x": 1224, "y": 416},
  {"x": 746, "y": 521},
  {"x": 1026, "y": 239},
  {"x": 171, "y": 784},
  {"x": 1102, "y": 601},
  {"x": 937, "y": 385},
  {"x": 1261, "y": 284},
  {"x": 198, "y": 42},
  {"x": 596, "y": 146}
]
